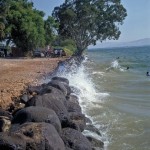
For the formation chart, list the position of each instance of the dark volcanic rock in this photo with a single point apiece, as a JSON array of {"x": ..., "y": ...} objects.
[
  {"x": 12, "y": 142},
  {"x": 92, "y": 128},
  {"x": 35, "y": 89},
  {"x": 75, "y": 140},
  {"x": 59, "y": 86},
  {"x": 5, "y": 123},
  {"x": 40, "y": 136},
  {"x": 61, "y": 79},
  {"x": 78, "y": 119},
  {"x": 95, "y": 142},
  {"x": 5, "y": 113},
  {"x": 73, "y": 107},
  {"x": 37, "y": 114},
  {"x": 50, "y": 101},
  {"x": 73, "y": 98},
  {"x": 55, "y": 93}
]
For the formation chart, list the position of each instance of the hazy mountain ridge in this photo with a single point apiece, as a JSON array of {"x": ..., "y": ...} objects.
[{"x": 140, "y": 42}]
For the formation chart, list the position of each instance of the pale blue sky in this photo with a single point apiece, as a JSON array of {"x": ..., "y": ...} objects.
[{"x": 136, "y": 25}]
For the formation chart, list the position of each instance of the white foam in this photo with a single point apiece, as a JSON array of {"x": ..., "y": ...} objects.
[
  {"x": 98, "y": 73},
  {"x": 115, "y": 65},
  {"x": 89, "y": 97}
]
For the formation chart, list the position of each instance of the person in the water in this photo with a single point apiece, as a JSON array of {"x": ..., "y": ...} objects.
[{"x": 148, "y": 73}]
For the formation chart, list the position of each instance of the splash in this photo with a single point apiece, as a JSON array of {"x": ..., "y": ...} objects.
[
  {"x": 115, "y": 66},
  {"x": 89, "y": 98}
]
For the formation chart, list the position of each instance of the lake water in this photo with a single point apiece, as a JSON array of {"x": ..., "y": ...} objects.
[{"x": 115, "y": 98}]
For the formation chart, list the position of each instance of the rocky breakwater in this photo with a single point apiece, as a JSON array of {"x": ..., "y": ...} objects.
[{"x": 50, "y": 119}]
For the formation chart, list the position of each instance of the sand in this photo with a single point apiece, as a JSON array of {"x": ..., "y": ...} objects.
[{"x": 17, "y": 74}]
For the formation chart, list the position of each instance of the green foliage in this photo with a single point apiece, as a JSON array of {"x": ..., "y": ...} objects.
[
  {"x": 86, "y": 21},
  {"x": 50, "y": 27},
  {"x": 24, "y": 25},
  {"x": 3, "y": 11},
  {"x": 69, "y": 46}
]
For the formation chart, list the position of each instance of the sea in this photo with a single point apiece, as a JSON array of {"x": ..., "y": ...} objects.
[{"x": 114, "y": 92}]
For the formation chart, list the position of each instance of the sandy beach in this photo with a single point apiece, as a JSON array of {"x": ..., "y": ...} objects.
[{"x": 17, "y": 74}]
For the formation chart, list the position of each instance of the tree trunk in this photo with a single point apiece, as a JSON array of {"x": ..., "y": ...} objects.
[{"x": 79, "y": 52}]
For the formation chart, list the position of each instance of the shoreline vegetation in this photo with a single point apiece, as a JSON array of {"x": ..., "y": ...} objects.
[{"x": 48, "y": 115}]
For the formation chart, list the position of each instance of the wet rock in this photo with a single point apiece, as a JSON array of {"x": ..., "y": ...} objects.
[
  {"x": 55, "y": 93},
  {"x": 50, "y": 101},
  {"x": 78, "y": 119},
  {"x": 59, "y": 86},
  {"x": 33, "y": 90},
  {"x": 92, "y": 128},
  {"x": 73, "y": 98},
  {"x": 40, "y": 136},
  {"x": 12, "y": 142},
  {"x": 5, "y": 123},
  {"x": 75, "y": 140},
  {"x": 61, "y": 79},
  {"x": 68, "y": 148},
  {"x": 37, "y": 114},
  {"x": 73, "y": 107},
  {"x": 75, "y": 90},
  {"x": 88, "y": 120},
  {"x": 95, "y": 142}
]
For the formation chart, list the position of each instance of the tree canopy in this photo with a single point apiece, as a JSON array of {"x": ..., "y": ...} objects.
[
  {"x": 25, "y": 25},
  {"x": 87, "y": 21}
]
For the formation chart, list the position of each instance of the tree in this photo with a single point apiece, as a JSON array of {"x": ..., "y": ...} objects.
[
  {"x": 87, "y": 21},
  {"x": 25, "y": 25},
  {"x": 50, "y": 27},
  {"x": 3, "y": 11},
  {"x": 22, "y": 24}
]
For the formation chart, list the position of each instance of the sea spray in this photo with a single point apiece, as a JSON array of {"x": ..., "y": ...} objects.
[{"x": 89, "y": 97}]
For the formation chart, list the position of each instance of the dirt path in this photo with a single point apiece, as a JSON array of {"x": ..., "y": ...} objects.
[{"x": 16, "y": 74}]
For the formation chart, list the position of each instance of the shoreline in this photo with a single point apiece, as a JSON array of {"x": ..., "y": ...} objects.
[
  {"x": 17, "y": 74},
  {"x": 55, "y": 99}
]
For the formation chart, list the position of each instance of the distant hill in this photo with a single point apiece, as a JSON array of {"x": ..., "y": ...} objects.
[{"x": 141, "y": 42}]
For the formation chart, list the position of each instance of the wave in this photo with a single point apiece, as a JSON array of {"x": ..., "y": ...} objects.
[
  {"x": 89, "y": 98},
  {"x": 115, "y": 65}
]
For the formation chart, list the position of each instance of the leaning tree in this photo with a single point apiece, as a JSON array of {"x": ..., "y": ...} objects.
[{"x": 87, "y": 21}]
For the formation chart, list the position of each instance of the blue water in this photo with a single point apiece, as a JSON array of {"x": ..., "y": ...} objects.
[{"x": 126, "y": 111}]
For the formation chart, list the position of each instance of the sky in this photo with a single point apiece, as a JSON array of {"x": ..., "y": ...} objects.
[{"x": 136, "y": 25}]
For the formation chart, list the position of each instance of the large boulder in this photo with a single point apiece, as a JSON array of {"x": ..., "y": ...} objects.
[
  {"x": 73, "y": 98},
  {"x": 54, "y": 92},
  {"x": 59, "y": 85},
  {"x": 12, "y": 141},
  {"x": 61, "y": 79},
  {"x": 5, "y": 113},
  {"x": 50, "y": 101},
  {"x": 73, "y": 107},
  {"x": 79, "y": 120},
  {"x": 75, "y": 90},
  {"x": 92, "y": 128},
  {"x": 37, "y": 114},
  {"x": 33, "y": 90},
  {"x": 75, "y": 140},
  {"x": 40, "y": 136},
  {"x": 95, "y": 142}
]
